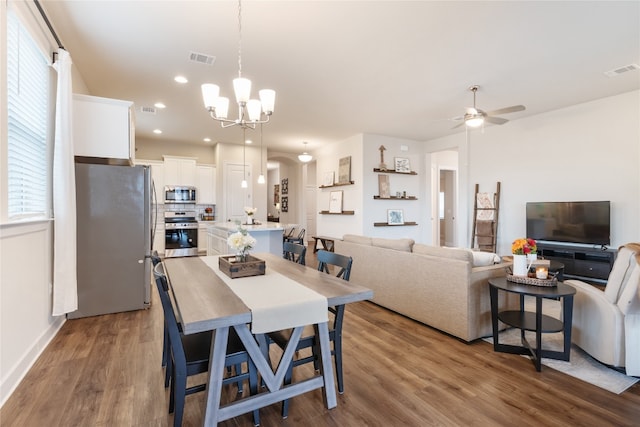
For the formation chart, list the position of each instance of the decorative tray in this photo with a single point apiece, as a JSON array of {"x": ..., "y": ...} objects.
[
  {"x": 551, "y": 281},
  {"x": 251, "y": 267}
]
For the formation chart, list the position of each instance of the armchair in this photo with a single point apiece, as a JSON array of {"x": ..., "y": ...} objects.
[{"x": 607, "y": 324}]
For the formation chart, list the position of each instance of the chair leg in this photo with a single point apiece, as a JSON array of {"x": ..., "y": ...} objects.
[
  {"x": 178, "y": 394},
  {"x": 165, "y": 346},
  {"x": 238, "y": 368},
  {"x": 337, "y": 347},
  {"x": 287, "y": 380},
  {"x": 168, "y": 371}
]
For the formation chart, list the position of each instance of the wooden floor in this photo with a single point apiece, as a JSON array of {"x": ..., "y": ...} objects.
[{"x": 105, "y": 371}]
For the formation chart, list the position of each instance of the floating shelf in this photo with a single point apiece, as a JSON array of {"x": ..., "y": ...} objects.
[
  {"x": 338, "y": 184},
  {"x": 337, "y": 213},
  {"x": 392, "y": 171},
  {"x": 384, "y": 224},
  {"x": 395, "y": 198}
]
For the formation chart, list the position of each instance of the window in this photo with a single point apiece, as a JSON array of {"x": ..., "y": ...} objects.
[{"x": 27, "y": 123}]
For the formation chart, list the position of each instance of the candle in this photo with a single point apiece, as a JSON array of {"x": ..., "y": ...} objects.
[{"x": 541, "y": 272}]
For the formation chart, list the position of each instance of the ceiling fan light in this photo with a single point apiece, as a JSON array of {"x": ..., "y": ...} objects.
[
  {"x": 474, "y": 122},
  {"x": 305, "y": 157}
]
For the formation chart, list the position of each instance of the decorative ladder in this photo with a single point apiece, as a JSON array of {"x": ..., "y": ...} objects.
[{"x": 485, "y": 220}]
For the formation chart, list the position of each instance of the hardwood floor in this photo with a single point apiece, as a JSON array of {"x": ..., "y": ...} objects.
[{"x": 105, "y": 371}]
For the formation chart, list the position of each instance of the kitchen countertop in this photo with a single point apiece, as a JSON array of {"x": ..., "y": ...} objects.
[{"x": 266, "y": 226}]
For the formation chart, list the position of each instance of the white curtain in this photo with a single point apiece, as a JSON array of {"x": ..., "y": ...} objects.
[{"x": 65, "y": 289}]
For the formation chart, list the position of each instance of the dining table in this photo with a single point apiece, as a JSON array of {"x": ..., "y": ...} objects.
[{"x": 288, "y": 295}]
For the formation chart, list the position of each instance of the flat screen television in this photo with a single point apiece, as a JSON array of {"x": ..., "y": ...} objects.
[{"x": 573, "y": 222}]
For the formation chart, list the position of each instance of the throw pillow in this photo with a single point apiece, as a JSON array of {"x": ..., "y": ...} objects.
[{"x": 481, "y": 259}]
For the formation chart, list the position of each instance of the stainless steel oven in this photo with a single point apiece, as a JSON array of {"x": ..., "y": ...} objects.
[
  {"x": 179, "y": 194},
  {"x": 181, "y": 234}
]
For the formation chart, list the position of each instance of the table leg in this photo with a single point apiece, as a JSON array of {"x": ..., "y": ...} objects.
[
  {"x": 567, "y": 318},
  {"x": 538, "y": 334},
  {"x": 216, "y": 374},
  {"x": 493, "y": 293},
  {"x": 326, "y": 368}
]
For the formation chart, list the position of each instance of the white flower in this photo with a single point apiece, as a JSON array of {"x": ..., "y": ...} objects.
[
  {"x": 240, "y": 241},
  {"x": 250, "y": 211}
]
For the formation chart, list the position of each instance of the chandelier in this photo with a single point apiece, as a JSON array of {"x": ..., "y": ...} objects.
[{"x": 250, "y": 111}]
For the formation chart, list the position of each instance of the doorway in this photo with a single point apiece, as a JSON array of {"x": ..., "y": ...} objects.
[
  {"x": 447, "y": 207},
  {"x": 236, "y": 197}
]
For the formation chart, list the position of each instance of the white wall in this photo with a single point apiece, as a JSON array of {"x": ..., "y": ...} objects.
[{"x": 589, "y": 151}]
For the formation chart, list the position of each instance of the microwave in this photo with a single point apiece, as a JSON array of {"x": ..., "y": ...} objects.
[{"x": 179, "y": 194}]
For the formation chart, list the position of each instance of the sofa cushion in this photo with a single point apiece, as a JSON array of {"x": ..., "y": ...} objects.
[
  {"x": 481, "y": 259},
  {"x": 444, "y": 252},
  {"x": 353, "y": 238},
  {"x": 397, "y": 244}
]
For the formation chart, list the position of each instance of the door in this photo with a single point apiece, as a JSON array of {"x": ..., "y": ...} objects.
[
  {"x": 236, "y": 197},
  {"x": 310, "y": 200},
  {"x": 447, "y": 208}
]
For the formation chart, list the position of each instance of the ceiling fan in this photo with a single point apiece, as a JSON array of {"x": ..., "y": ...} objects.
[{"x": 474, "y": 117}]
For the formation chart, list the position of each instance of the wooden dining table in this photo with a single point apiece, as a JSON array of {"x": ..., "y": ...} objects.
[{"x": 204, "y": 302}]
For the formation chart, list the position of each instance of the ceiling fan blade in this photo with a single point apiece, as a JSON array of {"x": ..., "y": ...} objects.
[
  {"x": 506, "y": 110},
  {"x": 496, "y": 120}
]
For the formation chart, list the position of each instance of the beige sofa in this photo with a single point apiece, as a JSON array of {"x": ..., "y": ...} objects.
[{"x": 437, "y": 286}]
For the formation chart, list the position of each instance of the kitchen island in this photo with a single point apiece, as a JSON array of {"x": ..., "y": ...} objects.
[{"x": 268, "y": 237}]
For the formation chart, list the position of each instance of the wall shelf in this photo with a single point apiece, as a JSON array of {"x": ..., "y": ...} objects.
[
  {"x": 392, "y": 171},
  {"x": 337, "y": 213},
  {"x": 395, "y": 198},
  {"x": 337, "y": 184},
  {"x": 384, "y": 224}
]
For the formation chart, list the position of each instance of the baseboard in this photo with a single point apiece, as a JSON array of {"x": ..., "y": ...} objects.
[{"x": 15, "y": 375}]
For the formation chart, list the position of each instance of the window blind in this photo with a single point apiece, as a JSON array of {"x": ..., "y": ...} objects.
[{"x": 27, "y": 123}]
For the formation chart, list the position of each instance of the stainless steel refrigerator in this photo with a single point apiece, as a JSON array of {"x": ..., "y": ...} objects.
[{"x": 113, "y": 205}]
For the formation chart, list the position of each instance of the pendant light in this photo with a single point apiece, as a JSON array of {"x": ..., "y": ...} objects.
[
  {"x": 261, "y": 179},
  {"x": 305, "y": 157},
  {"x": 244, "y": 184}
]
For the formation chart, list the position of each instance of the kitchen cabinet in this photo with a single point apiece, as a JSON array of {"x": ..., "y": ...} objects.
[
  {"x": 180, "y": 171},
  {"x": 103, "y": 128},
  {"x": 202, "y": 237},
  {"x": 206, "y": 184}
]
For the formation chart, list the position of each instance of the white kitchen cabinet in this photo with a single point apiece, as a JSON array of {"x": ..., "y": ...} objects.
[
  {"x": 103, "y": 128},
  {"x": 206, "y": 184},
  {"x": 157, "y": 175},
  {"x": 202, "y": 236},
  {"x": 180, "y": 171}
]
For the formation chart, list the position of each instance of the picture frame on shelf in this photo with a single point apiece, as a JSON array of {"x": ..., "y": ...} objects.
[
  {"x": 335, "y": 202},
  {"x": 344, "y": 170},
  {"x": 395, "y": 216},
  {"x": 402, "y": 165},
  {"x": 328, "y": 179}
]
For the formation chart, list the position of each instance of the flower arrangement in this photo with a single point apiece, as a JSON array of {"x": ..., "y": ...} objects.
[
  {"x": 250, "y": 211},
  {"x": 524, "y": 246},
  {"x": 241, "y": 241}
]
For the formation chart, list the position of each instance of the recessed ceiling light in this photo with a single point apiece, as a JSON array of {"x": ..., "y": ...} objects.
[
  {"x": 181, "y": 79},
  {"x": 248, "y": 141},
  {"x": 157, "y": 131},
  {"x": 159, "y": 105},
  {"x": 207, "y": 140}
]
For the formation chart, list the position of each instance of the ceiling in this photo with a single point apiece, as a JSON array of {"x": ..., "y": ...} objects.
[{"x": 341, "y": 68}]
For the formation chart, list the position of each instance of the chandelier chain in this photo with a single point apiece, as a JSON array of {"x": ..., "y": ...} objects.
[{"x": 239, "y": 38}]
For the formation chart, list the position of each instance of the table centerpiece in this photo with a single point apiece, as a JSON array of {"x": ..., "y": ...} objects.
[{"x": 241, "y": 264}]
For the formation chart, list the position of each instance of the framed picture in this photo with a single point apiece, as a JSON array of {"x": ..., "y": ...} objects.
[
  {"x": 383, "y": 187},
  {"x": 335, "y": 202},
  {"x": 285, "y": 186},
  {"x": 284, "y": 204},
  {"x": 344, "y": 170},
  {"x": 327, "y": 179},
  {"x": 395, "y": 217},
  {"x": 402, "y": 165}
]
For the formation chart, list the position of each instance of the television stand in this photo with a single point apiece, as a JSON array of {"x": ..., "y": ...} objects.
[{"x": 591, "y": 265}]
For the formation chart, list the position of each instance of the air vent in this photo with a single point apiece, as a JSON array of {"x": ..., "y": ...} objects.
[
  {"x": 618, "y": 71},
  {"x": 148, "y": 110},
  {"x": 202, "y": 58}
]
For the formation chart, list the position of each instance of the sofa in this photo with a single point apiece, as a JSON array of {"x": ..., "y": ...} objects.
[{"x": 445, "y": 288}]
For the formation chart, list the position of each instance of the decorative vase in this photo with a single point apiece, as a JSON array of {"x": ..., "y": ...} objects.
[
  {"x": 520, "y": 265},
  {"x": 249, "y": 219},
  {"x": 241, "y": 257}
]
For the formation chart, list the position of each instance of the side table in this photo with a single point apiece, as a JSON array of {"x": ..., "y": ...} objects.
[{"x": 536, "y": 322}]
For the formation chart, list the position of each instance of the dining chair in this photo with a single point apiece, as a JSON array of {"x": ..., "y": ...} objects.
[
  {"x": 299, "y": 238},
  {"x": 294, "y": 252},
  {"x": 308, "y": 340},
  {"x": 189, "y": 355},
  {"x": 155, "y": 260}
]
